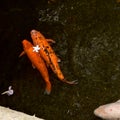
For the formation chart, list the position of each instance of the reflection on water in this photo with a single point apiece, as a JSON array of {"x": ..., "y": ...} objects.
[{"x": 88, "y": 44}]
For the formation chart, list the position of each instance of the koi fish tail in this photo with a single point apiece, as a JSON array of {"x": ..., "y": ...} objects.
[
  {"x": 70, "y": 82},
  {"x": 61, "y": 76},
  {"x": 48, "y": 88}
]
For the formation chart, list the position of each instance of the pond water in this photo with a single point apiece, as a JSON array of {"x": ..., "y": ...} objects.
[{"x": 87, "y": 35}]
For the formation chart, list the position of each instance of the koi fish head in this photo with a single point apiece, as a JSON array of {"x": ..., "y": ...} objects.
[
  {"x": 36, "y": 35},
  {"x": 34, "y": 32},
  {"x": 26, "y": 44},
  {"x": 108, "y": 111}
]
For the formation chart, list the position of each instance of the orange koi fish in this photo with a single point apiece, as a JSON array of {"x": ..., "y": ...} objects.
[
  {"x": 38, "y": 62},
  {"x": 48, "y": 54}
]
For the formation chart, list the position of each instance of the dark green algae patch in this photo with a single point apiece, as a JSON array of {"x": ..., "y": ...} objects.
[{"x": 87, "y": 35}]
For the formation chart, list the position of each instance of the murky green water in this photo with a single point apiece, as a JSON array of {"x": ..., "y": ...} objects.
[{"x": 87, "y": 35}]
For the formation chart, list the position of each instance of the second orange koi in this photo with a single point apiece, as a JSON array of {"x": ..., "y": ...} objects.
[
  {"x": 38, "y": 62},
  {"x": 48, "y": 54}
]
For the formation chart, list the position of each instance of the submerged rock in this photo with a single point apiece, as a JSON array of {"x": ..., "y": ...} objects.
[{"x": 8, "y": 114}]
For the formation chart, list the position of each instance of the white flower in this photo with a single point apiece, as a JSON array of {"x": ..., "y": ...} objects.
[
  {"x": 9, "y": 91},
  {"x": 36, "y": 48}
]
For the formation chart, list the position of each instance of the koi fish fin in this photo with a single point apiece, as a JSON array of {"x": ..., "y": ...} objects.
[
  {"x": 50, "y": 41},
  {"x": 58, "y": 60},
  {"x": 48, "y": 88},
  {"x": 22, "y": 53},
  {"x": 33, "y": 66},
  {"x": 47, "y": 92},
  {"x": 70, "y": 82}
]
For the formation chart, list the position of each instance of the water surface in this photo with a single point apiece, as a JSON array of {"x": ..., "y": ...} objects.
[{"x": 88, "y": 43}]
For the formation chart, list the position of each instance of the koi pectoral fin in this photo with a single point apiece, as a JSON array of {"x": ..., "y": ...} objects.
[
  {"x": 33, "y": 66},
  {"x": 50, "y": 41},
  {"x": 22, "y": 53},
  {"x": 59, "y": 60}
]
